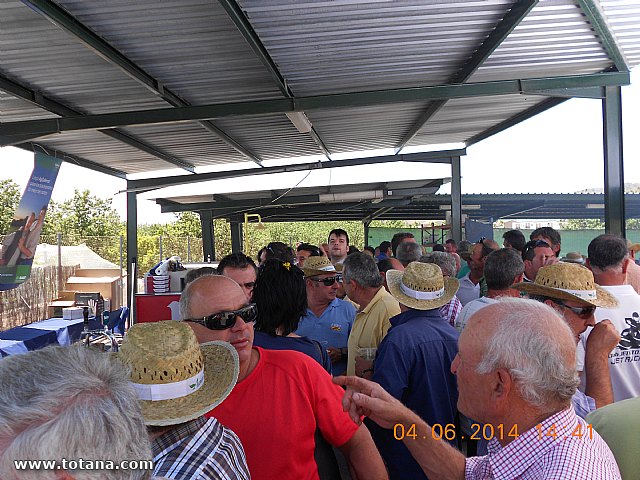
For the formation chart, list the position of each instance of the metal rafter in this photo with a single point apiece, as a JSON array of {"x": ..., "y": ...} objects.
[
  {"x": 249, "y": 34},
  {"x": 53, "y": 106},
  {"x": 72, "y": 26},
  {"x": 598, "y": 21},
  {"x": 154, "y": 183},
  {"x": 505, "y": 26},
  {"x": 169, "y": 115}
]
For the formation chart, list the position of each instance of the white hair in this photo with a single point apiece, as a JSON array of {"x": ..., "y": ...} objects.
[
  {"x": 526, "y": 343},
  {"x": 69, "y": 403}
]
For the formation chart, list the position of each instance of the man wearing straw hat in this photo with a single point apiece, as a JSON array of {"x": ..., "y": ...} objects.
[
  {"x": 282, "y": 396},
  {"x": 570, "y": 290},
  {"x": 328, "y": 319},
  {"x": 413, "y": 362},
  {"x": 177, "y": 382}
]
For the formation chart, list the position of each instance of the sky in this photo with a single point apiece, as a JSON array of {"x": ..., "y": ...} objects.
[{"x": 558, "y": 151}]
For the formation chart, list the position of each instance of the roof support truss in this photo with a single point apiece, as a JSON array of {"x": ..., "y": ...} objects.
[
  {"x": 514, "y": 16},
  {"x": 39, "y": 128},
  {"x": 73, "y": 27}
]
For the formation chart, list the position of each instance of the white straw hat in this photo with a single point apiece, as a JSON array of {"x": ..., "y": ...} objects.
[
  {"x": 421, "y": 286},
  {"x": 177, "y": 379}
]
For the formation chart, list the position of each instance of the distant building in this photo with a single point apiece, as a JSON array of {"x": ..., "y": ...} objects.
[{"x": 531, "y": 224}]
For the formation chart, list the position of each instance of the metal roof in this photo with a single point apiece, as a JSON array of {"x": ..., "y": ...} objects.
[
  {"x": 406, "y": 200},
  {"x": 135, "y": 87}
]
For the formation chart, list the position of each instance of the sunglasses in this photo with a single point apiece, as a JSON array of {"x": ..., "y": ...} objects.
[
  {"x": 327, "y": 282},
  {"x": 225, "y": 320},
  {"x": 582, "y": 312}
]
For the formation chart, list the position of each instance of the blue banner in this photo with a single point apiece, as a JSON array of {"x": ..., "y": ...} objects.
[{"x": 20, "y": 242}]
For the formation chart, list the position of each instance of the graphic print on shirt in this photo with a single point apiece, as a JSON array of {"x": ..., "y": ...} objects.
[{"x": 630, "y": 337}]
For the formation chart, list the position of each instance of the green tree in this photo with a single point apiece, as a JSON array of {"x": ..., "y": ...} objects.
[
  {"x": 84, "y": 215},
  {"x": 583, "y": 224},
  {"x": 9, "y": 199}
]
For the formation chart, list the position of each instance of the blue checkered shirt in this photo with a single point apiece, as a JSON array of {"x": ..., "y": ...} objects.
[{"x": 200, "y": 449}]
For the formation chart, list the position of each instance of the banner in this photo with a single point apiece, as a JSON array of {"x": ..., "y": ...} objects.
[{"x": 20, "y": 242}]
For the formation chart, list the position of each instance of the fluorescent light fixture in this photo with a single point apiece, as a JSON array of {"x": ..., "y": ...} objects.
[
  {"x": 350, "y": 196},
  {"x": 300, "y": 121},
  {"x": 471, "y": 207},
  {"x": 595, "y": 205}
]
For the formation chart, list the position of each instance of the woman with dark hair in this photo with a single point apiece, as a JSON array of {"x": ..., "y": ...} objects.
[{"x": 281, "y": 298}]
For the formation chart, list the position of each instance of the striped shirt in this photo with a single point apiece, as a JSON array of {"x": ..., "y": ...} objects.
[
  {"x": 562, "y": 447},
  {"x": 199, "y": 449}
]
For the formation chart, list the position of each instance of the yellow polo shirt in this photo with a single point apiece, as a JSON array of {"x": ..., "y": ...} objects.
[{"x": 371, "y": 325}]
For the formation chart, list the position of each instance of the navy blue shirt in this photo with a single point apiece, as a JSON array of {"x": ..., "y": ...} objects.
[
  {"x": 413, "y": 363},
  {"x": 305, "y": 345}
]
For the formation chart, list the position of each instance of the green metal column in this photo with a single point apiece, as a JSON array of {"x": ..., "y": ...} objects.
[
  {"x": 208, "y": 238},
  {"x": 366, "y": 233},
  {"x": 614, "y": 216},
  {"x": 456, "y": 200},
  {"x": 236, "y": 236},
  {"x": 132, "y": 250}
]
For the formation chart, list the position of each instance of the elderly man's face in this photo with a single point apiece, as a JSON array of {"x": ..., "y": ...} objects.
[
  {"x": 320, "y": 292},
  {"x": 215, "y": 294},
  {"x": 578, "y": 322}
]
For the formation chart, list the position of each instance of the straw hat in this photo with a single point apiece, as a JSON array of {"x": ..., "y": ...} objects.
[
  {"x": 568, "y": 281},
  {"x": 185, "y": 379},
  {"x": 573, "y": 257},
  {"x": 421, "y": 286},
  {"x": 314, "y": 266}
]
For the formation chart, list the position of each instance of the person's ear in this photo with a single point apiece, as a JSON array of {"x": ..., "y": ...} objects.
[{"x": 625, "y": 264}]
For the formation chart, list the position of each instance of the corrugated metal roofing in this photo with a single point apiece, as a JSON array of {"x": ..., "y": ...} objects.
[{"x": 201, "y": 52}]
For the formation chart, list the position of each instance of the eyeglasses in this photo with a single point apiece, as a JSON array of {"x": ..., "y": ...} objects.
[
  {"x": 582, "y": 312},
  {"x": 227, "y": 319},
  {"x": 327, "y": 282}
]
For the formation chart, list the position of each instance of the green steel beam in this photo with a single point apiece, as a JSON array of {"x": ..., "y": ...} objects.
[
  {"x": 63, "y": 20},
  {"x": 512, "y": 18},
  {"x": 42, "y": 101},
  {"x": 208, "y": 236},
  {"x": 427, "y": 157},
  {"x": 169, "y": 115},
  {"x": 598, "y": 21},
  {"x": 520, "y": 117},
  {"x": 614, "y": 207},
  {"x": 81, "y": 162}
]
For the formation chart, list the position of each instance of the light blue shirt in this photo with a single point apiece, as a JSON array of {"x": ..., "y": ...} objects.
[{"x": 332, "y": 328}]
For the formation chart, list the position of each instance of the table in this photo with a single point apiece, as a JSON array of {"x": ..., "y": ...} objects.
[{"x": 53, "y": 331}]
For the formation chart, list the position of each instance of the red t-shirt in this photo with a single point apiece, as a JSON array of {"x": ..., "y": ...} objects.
[{"x": 275, "y": 410}]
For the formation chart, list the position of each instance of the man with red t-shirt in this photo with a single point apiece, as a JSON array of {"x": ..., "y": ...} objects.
[{"x": 281, "y": 396}]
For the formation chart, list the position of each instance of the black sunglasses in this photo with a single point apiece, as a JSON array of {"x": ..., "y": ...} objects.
[
  {"x": 224, "y": 320},
  {"x": 582, "y": 312},
  {"x": 327, "y": 282}
]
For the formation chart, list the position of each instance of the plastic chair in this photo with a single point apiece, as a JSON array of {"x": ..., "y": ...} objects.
[{"x": 117, "y": 320}]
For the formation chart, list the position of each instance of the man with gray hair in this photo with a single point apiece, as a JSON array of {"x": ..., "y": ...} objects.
[
  {"x": 408, "y": 252},
  {"x": 502, "y": 269},
  {"x": 75, "y": 409},
  {"x": 516, "y": 375},
  {"x": 608, "y": 260},
  {"x": 363, "y": 284},
  {"x": 447, "y": 264}
]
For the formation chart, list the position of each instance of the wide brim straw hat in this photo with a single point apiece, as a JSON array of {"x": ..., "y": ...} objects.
[
  {"x": 314, "y": 266},
  {"x": 167, "y": 364},
  {"x": 421, "y": 286},
  {"x": 568, "y": 281}
]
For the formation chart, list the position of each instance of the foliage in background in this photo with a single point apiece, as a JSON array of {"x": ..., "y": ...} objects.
[
  {"x": 83, "y": 215},
  {"x": 9, "y": 198}
]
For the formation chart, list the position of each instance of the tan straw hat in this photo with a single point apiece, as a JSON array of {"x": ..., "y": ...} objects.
[
  {"x": 573, "y": 257},
  {"x": 568, "y": 281},
  {"x": 177, "y": 379},
  {"x": 421, "y": 286},
  {"x": 314, "y": 266}
]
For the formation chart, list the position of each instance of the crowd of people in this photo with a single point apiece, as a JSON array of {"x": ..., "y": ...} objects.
[{"x": 468, "y": 361}]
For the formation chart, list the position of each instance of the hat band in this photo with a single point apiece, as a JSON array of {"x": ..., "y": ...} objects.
[
  {"x": 419, "y": 295},
  {"x": 169, "y": 391},
  {"x": 583, "y": 294},
  {"x": 328, "y": 268}
]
